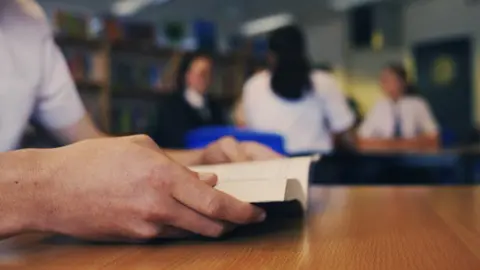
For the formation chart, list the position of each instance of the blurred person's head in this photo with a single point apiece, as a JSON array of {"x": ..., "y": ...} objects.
[
  {"x": 394, "y": 81},
  {"x": 289, "y": 63},
  {"x": 195, "y": 72}
]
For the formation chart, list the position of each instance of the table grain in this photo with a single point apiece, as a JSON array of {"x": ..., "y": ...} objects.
[{"x": 346, "y": 228}]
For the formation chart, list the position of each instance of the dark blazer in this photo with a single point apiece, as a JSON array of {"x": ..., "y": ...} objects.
[{"x": 176, "y": 117}]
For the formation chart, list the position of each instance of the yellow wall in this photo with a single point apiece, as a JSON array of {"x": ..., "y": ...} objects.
[
  {"x": 363, "y": 70},
  {"x": 365, "y": 91},
  {"x": 476, "y": 78}
]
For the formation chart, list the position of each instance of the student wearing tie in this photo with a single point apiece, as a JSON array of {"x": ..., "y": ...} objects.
[
  {"x": 400, "y": 121},
  {"x": 189, "y": 107}
]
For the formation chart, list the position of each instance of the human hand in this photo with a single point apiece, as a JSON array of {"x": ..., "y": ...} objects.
[
  {"x": 126, "y": 188},
  {"x": 228, "y": 149}
]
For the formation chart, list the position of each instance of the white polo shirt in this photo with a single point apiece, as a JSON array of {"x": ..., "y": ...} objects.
[
  {"x": 307, "y": 124},
  {"x": 413, "y": 113},
  {"x": 34, "y": 78}
]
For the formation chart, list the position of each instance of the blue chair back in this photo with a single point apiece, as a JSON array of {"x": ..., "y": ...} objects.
[{"x": 202, "y": 137}]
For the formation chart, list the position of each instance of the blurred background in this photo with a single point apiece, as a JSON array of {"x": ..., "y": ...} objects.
[{"x": 126, "y": 57}]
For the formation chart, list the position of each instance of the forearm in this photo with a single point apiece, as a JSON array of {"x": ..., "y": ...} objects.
[
  {"x": 20, "y": 186},
  {"x": 82, "y": 130}
]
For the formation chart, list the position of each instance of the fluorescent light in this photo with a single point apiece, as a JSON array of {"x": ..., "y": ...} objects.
[
  {"x": 266, "y": 24},
  {"x": 130, "y": 7},
  {"x": 342, "y": 5}
]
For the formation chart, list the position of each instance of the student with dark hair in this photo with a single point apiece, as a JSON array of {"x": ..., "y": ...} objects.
[
  {"x": 305, "y": 106},
  {"x": 189, "y": 107},
  {"x": 400, "y": 121}
]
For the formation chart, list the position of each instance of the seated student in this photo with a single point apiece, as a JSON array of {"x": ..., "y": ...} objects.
[
  {"x": 189, "y": 107},
  {"x": 305, "y": 106},
  {"x": 400, "y": 121}
]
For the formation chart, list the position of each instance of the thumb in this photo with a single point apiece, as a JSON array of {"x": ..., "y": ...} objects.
[
  {"x": 208, "y": 178},
  {"x": 233, "y": 150}
]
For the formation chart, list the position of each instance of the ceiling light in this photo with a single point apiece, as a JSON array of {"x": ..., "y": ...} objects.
[
  {"x": 266, "y": 24},
  {"x": 342, "y": 5},
  {"x": 130, "y": 7}
]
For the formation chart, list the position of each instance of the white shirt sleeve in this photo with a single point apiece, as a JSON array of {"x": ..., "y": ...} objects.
[
  {"x": 427, "y": 122},
  {"x": 58, "y": 102},
  {"x": 338, "y": 114}
]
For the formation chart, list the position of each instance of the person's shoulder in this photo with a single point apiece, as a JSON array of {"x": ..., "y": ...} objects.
[
  {"x": 259, "y": 79},
  {"x": 382, "y": 104},
  {"x": 323, "y": 81},
  {"x": 320, "y": 75},
  {"x": 24, "y": 18},
  {"x": 416, "y": 101}
]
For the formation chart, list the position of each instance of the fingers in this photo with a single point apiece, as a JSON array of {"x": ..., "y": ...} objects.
[
  {"x": 256, "y": 151},
  {"x": 168, "y": 232},
  {"x": 214, "y": 204},
  {"x": 190, "y": 220},
  {"x": 208, "y": 178},
  {"x": 232, "y": 150},
  {"x": 144, "y": 232}
]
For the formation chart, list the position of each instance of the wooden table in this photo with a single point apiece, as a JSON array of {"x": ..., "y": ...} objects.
[{"x": 347, "y": 228}]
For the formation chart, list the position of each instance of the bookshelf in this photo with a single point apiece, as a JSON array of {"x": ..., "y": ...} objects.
[{"x": 121, "y": 81}]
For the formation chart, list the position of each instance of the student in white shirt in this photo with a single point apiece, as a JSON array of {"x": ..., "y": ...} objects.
[
  {"x": 305, "y": 106},
  {"x": 35, "y": 80},
  {"x": 400, "y": 121}
]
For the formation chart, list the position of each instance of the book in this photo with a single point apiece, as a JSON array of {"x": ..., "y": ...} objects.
[{"x": 268, "y": 184}]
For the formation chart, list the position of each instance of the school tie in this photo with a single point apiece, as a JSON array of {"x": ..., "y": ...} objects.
[
  {"x": 205, "y": 113},
  {"x": 397, "y": 122}
]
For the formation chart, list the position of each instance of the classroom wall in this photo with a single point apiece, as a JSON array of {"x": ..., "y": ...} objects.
[
  {"x": 437, "y": 19},
  {"x": 423, "y": 20},
  {"x": 363, "y": 72},
  {"x": 327, "y": 43}
]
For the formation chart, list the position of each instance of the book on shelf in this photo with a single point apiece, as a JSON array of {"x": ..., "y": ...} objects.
[
  {"x": 71, "y": 24},
  {"x": 97, "y": 72},
  {"x": 132, "y": 116},
  {"x": 136, "y": 75},
  {"x": 280, "y": 186},
  {"x": 86, "y": 66}
]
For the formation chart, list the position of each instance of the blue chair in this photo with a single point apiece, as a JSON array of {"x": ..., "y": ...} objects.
[{"x": 202, "y": 137}]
